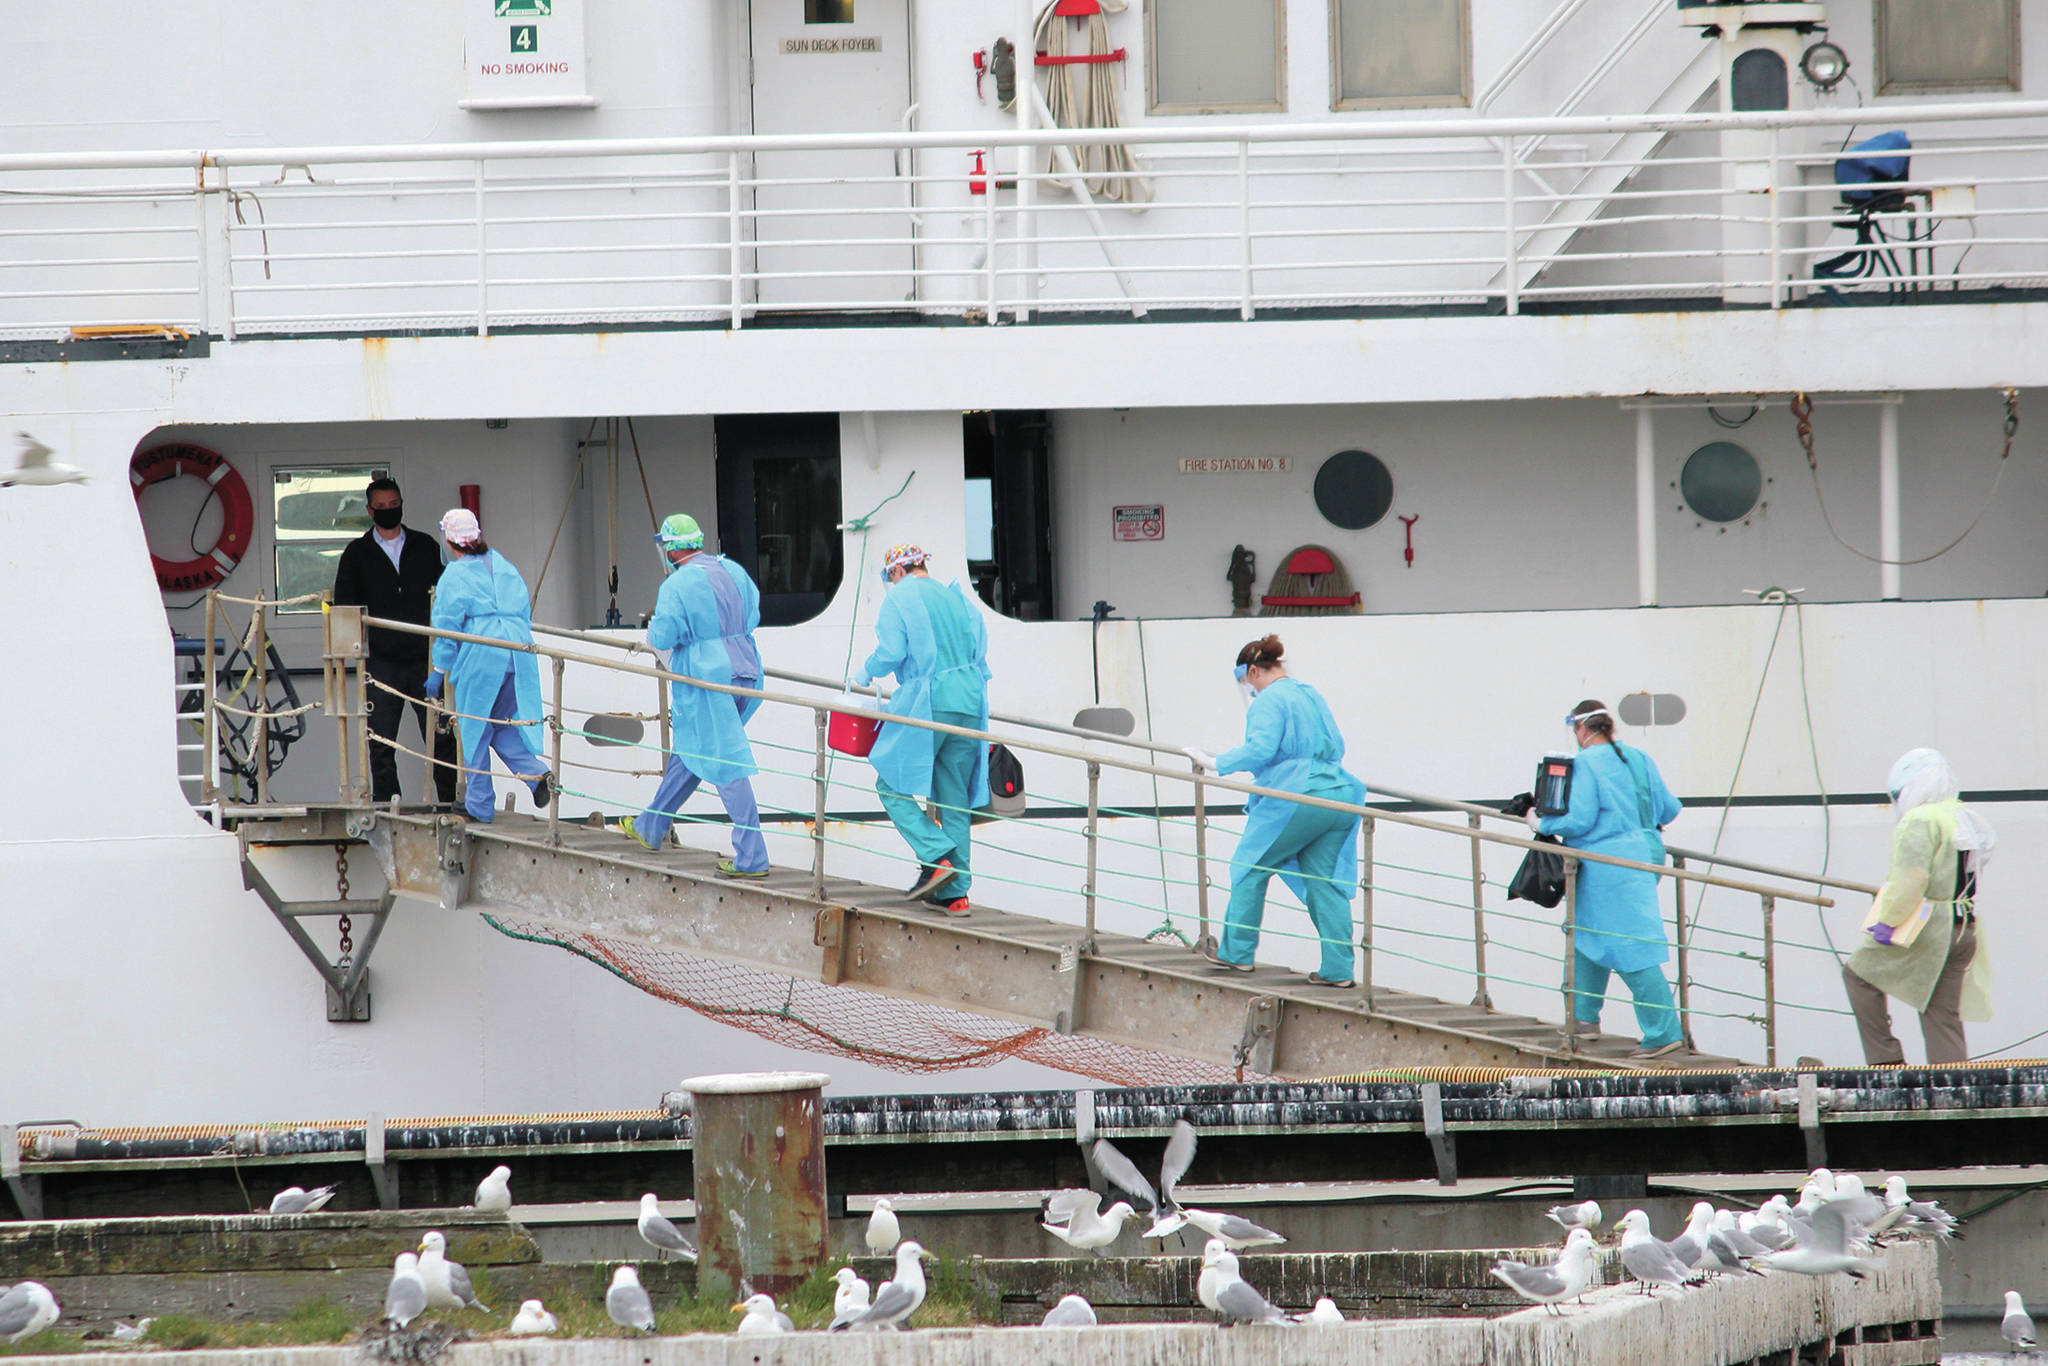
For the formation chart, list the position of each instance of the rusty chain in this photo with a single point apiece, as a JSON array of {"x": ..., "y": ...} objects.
[{"x": 348, "y": 945}]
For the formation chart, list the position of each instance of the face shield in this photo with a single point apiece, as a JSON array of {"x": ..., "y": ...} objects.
[{"x": 1244, "y": 684}]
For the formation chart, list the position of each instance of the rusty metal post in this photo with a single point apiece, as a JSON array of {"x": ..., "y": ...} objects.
[
  {"x": 209, "y": 789},
  {"x": 1571, "y": 954},
  {"x": 1094, "y": 821},
  {"x": 1684, "y": 937},
  {"x": 663, "y": 704},
  {"x": 1201, "y": 859},
  {"x": 1770, "y": 981},
  {"x": 555, "y": 755},
  {"x": 1365, "y": 907},
  {"x": 1479, "y": 994},
  {"x": 821, "y": 718},
  {"x": 758, "y": 1151}
]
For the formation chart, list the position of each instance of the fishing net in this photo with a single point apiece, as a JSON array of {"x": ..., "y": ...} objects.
[{"x": 902, "y": 1036}]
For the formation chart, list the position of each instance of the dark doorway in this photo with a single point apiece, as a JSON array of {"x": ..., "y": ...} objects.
[
  {"x": 1008, "y": 460},
  {"x": 778, "y": 509}
]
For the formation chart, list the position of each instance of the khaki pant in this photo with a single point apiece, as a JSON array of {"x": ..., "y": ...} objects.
[{"x": 1941, "y": 1024}]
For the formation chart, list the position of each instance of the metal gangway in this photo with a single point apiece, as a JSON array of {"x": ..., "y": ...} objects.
[{"x": 1055, "y": 940}]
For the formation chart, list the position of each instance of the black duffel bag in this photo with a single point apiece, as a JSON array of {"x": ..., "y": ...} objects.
[{"x": 1541, "y": 877}]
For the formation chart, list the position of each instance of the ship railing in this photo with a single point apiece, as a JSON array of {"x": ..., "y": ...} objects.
[
  {"x": 1107, "y": 882},
  {"x": 1251, "y": 218}
]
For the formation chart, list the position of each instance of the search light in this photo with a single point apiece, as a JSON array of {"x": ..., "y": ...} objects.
[{"x": 1825, "y": 64}]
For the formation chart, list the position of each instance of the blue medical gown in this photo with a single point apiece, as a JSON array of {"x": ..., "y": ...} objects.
[
  {"x": 483, "y": 595},
  {"x": 1620, "y": 925},
  {"x": 1291, "y": 743},
  {"x": 931, "y": 637},
  {"x": 705, "y": 617}
]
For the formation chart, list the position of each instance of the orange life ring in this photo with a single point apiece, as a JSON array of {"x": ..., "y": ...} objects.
[{"x": 238, "y": 513}]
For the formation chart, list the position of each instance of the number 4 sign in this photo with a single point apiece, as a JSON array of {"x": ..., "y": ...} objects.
[{"x": 524, "y": 37}]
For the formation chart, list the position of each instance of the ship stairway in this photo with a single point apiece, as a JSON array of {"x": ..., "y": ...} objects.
[{"x": 1047, "y": 951}]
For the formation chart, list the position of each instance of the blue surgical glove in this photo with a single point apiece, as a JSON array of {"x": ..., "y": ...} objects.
[
  {"x": 1881, "y": 932},
  {"x": 433, "y": 687},
  {"x": 861, "y": 680}
]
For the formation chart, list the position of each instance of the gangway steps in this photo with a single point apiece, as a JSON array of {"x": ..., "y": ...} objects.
[{"x": 1151, "y": 994}]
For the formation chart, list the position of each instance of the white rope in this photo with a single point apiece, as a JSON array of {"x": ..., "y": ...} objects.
[{"x": 1085, "y": 95}]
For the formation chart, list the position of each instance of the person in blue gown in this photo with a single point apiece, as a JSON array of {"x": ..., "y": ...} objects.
[
  {"x": 490, "y": 690},
  {"x": 704, "y": 621},
  {"x": 1290, "y": 743},
  {"x": 1618, "y": 806},
  {"x": 930, "y": 636}
]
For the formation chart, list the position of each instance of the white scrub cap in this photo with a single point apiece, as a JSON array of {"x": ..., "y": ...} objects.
[{"x": 460, "y": 527}]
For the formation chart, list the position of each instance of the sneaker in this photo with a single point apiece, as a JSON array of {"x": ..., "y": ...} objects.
[
  {"x": 1646, "y": 1051},
  {"x": 1316, "y": 979},
  {"x": 1215, "y": 959},
  {"x": 727, "y": 868},
  {"x": 930, "y": 878},
  {"x": 626, "y": 829},
  {"x": 955, "y": 906},
  {"x": 544, "y": 790},
  {"x": 1587, "y": 1031}
]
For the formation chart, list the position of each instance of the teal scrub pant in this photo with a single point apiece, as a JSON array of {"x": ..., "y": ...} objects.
[
  {"x": 1656, "y": 1013},
  {"x": 953, "y": 760},
  {"x": 1312, "y": 838}
]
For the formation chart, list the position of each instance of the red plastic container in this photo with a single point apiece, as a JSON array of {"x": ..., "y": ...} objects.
[{"x": 853, "y": 735}]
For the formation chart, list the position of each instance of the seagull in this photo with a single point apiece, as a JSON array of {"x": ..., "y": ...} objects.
[
  {"x": 1076, "y": 1219},
  {"x": 898, "y": 1297},
  {"x": 494, "y": 1192},
  {"x": 292, "y": 1200},
  {"x": 36, "y": 467},
  {"x": 1326, "y": 1314},
  {"x": 1763, "y": 1229},
  {"x": 661, "y": 1235},
  {"x": 532, "y": 1319},
  {"x": 1921, "y": 1216},
  {"x": 1569, "y": 1275},
  {"x": 1649, "y": 1260},
  {"x": 626, "y": 1303},
  {"x": 1824, "y": 1249},
  {"x": 448, "y": 1285},
  {"x": 852, "y": 1295},
  {"x": 1071, "y": 1312},
  {"x": 1585, "y": 1214},
  {"x": 2016, "y": 1328},
  {"x": 762, "y": 1319},
  {"x": 1213, "y": 1270},
  {"x": 1690, "y": 1246},
  {"x": 1106, "y": 1158},
  {"x": 1235, "y": 1302},
  {"x": 1728, "y": 1228},
  {"x": 405, "y": 1299},
  {"x": 883, "y": 1230},
  {"x": 25, "y": 1310},
  {"x": 132, "y": 1332}
]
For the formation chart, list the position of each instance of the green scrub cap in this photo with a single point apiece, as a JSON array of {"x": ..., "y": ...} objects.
[{"x": 680, "y": 532}]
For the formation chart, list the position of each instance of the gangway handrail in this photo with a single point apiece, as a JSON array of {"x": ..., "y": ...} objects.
[
  {"x": 344, "y": 633},
  {"x": 1133, "y": 742}
]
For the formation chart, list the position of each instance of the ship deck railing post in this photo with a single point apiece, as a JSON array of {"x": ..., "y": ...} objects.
[
  {"x": 1770, "y": 907},
  {"x": 261, "y": 750},
  {"x": 483, "y": 259},
  {"x": 988, "y": 210},
  {"x": 1683, "y": 936},
  {"x": 1510, "y": 269},
  {"x": 820, "y": 722},
  {"x": 1365, "y": 876},
  {"x": 1480, "y": 997},
  {"x": 1244, "y": 229},
  {"x": 1094, "y": 823},
  {"x": 209, "y": 787},
  {"x": 735, "y": 274},
  {"x": 1201, "y": 860},
  {"x": 1777, "y": 270},
  {"x": 1571, "y": 954},
  {"x": 555, "y": 755}
]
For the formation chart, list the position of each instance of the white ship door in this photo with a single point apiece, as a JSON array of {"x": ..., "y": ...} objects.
[{"x": 831, "y": 66}]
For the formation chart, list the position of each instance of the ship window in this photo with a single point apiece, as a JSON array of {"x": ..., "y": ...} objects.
[
  {"x": 1214, "y": 56},
  {"x": 1931, "y": 45},
  {"x": 1354, "y": 489},
  {"x": 1721, "y": 482},
  {"x": 316, "y": 512},
  {"x": 828, "y": 11},
  {"x": 1395, "y": 53},
  {"x": 1651, "y": 709}
]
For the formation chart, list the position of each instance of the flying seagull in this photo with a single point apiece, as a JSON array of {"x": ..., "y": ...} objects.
[
  {"x": 1076, "y": 1218},
  {"x": 36, "y": 467},
  {"x": 1824, "y": 1248},
  {"x": 1169, "y": 1216}
]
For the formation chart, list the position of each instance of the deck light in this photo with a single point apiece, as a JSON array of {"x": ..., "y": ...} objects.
[{"x": 1825, "y": 64}]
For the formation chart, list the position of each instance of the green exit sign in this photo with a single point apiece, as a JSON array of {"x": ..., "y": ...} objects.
[
  {"x": 519, "y": 9},
  {"x": 525, "y": 37}
]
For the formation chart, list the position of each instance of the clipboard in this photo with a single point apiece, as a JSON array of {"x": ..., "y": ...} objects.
[{"x": 1902, "y": 935}]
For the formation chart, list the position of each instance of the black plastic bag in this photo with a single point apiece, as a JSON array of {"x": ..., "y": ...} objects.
[{"x": 1541, "y": 877}]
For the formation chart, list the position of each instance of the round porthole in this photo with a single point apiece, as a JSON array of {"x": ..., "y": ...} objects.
[
  {"x": 1721, "y": 482},
  {"x": 1354, "y": 489}
]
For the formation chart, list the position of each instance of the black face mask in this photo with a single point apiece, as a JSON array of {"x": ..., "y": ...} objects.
[{"x": 388, "y": 517}]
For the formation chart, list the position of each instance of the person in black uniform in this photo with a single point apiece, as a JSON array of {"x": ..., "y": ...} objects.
[{"x": 390, "y": 571}]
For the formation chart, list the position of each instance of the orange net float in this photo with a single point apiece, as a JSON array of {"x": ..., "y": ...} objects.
[{"x": 238, "y": 513}]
